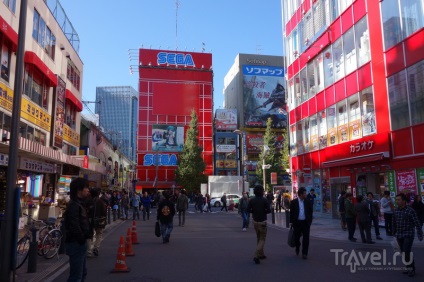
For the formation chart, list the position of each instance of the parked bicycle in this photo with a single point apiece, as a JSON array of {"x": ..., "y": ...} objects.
[{"x": 48, "y": 239}]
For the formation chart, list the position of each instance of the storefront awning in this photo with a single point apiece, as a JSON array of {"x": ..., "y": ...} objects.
[
  {"x": 73, "y": 99},
  {"x": 32, "y": 58},
  {"x": 9, "y": 32},
  {"x": 356, "y": 160}
]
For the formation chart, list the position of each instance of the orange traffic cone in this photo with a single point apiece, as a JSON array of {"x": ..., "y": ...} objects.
[
  {"x": 120, "y": 265},
  {"x": 134, "y": 233},
  {"x": 128, "y": 245}
]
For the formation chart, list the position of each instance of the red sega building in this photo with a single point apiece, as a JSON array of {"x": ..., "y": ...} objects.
[
  {"x": 356, "y": 96},
  {"x": 171, "y": 85}
]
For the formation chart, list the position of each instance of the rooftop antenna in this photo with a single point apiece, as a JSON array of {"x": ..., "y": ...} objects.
[
  {"x": 258, "y": 49},
  {"x": 177, "y": 5}
]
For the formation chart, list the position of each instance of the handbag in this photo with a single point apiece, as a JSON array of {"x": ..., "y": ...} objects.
[
  {"x": 290, "y": 239},
  {"x": 100, "y": 222},
  {"x": 157, "y": 229}
]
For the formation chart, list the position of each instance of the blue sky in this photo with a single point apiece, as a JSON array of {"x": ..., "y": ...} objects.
[{"x": 107, "y": 29}]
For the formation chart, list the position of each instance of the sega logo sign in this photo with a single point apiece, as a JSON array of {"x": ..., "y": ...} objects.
[
  {"x": 162, "y": 159},
  {"x": 175, "y": 59}
]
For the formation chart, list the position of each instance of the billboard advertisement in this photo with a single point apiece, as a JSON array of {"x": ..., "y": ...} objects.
[
  {"x": 264, "y": 96},
  {"x": 59, "y": 113},
  {"x": 226, "y": 119},
  {"x": 167, "y": 138}
]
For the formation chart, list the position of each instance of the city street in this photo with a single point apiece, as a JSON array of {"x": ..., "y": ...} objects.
[{"x": 212, "y": 247}]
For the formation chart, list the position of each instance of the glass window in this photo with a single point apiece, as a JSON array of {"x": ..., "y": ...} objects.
[
  {"x": 42, "y": 138},
  {"x": 318, "y": 73},
  {"x": 319, "y": 17},
  {"x": 299, "y": 138},
  {"x": 342, "y": 118},
  {"x": 22, "y": 129},
  {"x": 30, "y": 133},
  {"x": 11, "y": 4},
  {"x": 412, "y": 16},
  {"x": 1, "y": 119},
  {"x": 362, "y": 41},
  {"x": 35, "y": 24},
  {"x": 306, "y": 136},
  {"x": 42, "y": 33},
  {"x": 311, "y": 79},
  {"x": 322, "y": 123},
  {"x": 293, "y": 150},
  {"x": 368, "y": 112},
  {"x": 297, "y": 90},
  {"x": 339, "y": 59},
  {"x": 399, "y": 111},
  {"x": 303, "y": 85},
  {"x": 332, "y": 125},
  {"x": 391, "y": 22},
  {"x": 313, "y": 121},
  {"x": 349, "y": 51},
  {"x": 7, "y": 123},
  {"x": 416, "y": 92},
  {"x": 5, "y": 59},
  {"x": 328, "y": 67},
  {"x": 291, "y": 95},
  {"x": 37, "y": 136},
  {"x": 354, "y": 117}
]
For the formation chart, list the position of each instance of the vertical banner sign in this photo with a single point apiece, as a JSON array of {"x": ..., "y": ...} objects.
[
  {"x": 59, "y": 114},
  {"x": 407, "y": 183},
  {"x": 273, "y": 178},
  {"x": 420, "y": 176}
]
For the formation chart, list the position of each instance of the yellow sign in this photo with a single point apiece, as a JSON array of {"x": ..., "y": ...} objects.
[
  {"x": 71, "y": 136},
  {"x": 29, "y": 111},
  {"x": 33, "y": 113}
]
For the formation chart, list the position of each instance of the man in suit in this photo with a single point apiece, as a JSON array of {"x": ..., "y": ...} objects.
[{"x": 301, "y": 218}]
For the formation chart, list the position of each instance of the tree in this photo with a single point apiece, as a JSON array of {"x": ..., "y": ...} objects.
[
  {"x": 189, "y": 173},
  {"x": 272, "y": 158}
]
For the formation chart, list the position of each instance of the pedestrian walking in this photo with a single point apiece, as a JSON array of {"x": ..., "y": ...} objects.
[
  {"x": 77, "y": 230},
  {"x": 259, "y": 208},
  {"x": 350, "y": 217},
  {"x": 146, "y": 203},
  {"x": 374, "y": 213},
  {"x": 301, "y": 211},
  {"x": 166, "y": 212},
  {"x": 418, "y": 206},
  {"x": 125, "y": 204},
  {"x": 405, "y": 220},
  {"x": 182, "y": 206},
  {"x": 388, "y": 208},
  {"x": 135, "y": 203},
  {"x": 98, "y": 220},
  {"x": 278, "y": 201},
  {"x": 224, "y": 202},
  {"x": 208, "y": 202},
  {"x": 342, "y": 210},
  {"x": 243, "y": 203},
  {"x": 199, "y": 202},
  {"x": 362, "y": 212}
]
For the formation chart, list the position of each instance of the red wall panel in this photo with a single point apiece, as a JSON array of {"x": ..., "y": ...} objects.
[
  {"x": 351, "y": 84},
  {"x": 359, "y": 10},
  {"x": 329, "y": 96},
  {"x": 312, "y": 105},
  {"x": 298, "y": 113},
  {"x": 320, "y": 98},
  {"x": 414, "y": 48},
  {"x": 339, "y": 89},
  {"x": 292, "y": 117},
  {"x": 347, "y": 19},
  {"x": 401, "y": 141},
  {"x": 336, "y": 30},
  {"x": 364, "y": 77},
  {"x": 395, "y": 59},
  {"x": 305, "y": 110},
  {"x": 417, "y": 133}
]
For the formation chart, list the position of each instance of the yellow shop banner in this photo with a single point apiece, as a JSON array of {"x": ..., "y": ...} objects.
[{"x": 70, "y": 136}]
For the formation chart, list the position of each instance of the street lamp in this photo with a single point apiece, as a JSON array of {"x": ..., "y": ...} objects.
[{"x": 242, "y": 155}]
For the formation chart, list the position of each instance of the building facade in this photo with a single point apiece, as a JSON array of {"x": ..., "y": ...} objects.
[
  {"x": 171, "y": 85},
  {"x": 117, "y": 107},
  {"x": 49, "y": 127},
  {"x": 355, "y": 75},
  {"x": 254, "y": 88}
]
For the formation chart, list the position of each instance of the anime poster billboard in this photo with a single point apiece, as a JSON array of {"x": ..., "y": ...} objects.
[
  {"x": 226, "y": 119},
  {"x": 264, "y": 96},
  {"x": 167, "y": 138}
]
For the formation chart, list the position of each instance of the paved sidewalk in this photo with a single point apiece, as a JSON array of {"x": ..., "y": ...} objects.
[{"x": 45, "y": 267}]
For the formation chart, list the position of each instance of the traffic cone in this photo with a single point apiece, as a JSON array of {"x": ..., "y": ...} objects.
[
  {"x": 128, "y": 245},
  {"x": 120, "y": 265},
  {"x": 134, "y": 233}
]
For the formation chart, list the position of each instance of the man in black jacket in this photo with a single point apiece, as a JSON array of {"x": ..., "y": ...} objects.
[
  {"x": 77, "y": 229},
  {"x": 166, "y": 212},
  {"x": 259, "y": 208},
  {"x": 301, "y": 217}
]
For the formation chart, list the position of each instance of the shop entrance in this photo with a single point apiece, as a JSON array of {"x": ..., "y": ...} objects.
[{"x": 338, "y": 185}]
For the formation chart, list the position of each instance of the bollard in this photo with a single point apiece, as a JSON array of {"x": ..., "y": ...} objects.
[
  {"x": 32, "y": 252},
  {"x": 287, "y": 218},
  {"x": 273, "y": 215}
]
